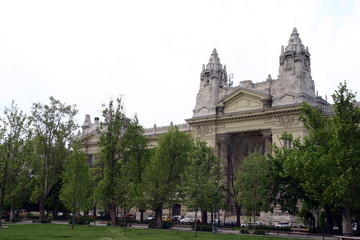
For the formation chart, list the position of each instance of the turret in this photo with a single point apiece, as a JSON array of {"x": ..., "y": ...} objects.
[
  {"x": 214, "y": 74},
  {"x": 213, "y": 85},
  {"x": 86, "y": 125},
  {"x": 294, "y": 84}
]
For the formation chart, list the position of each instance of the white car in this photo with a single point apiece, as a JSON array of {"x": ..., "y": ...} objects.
[
  {"x": 149, "y": 218},
  {"x": 284, "y": 224},
  {"x": 250, "y": 224},
  {"x": 186, "y": 220}
]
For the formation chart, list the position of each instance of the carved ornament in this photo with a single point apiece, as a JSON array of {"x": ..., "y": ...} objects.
[
  {"x": 203, "y": 129},
  {"x": 287, "y": 121}
]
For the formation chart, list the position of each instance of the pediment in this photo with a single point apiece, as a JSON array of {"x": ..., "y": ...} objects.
[
  {"x": 243, "y": 100},
  {"x": 89, "y": 138}
]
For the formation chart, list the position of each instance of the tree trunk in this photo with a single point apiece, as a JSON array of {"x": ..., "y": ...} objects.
[
  {"x": 204, "y": 217},
  {"x": 1, "y": 207},
  {"x": 124, "y": 218},
  {"x": 3, "y": 192},
  {"x": 11, "y": 212},
  {"x": 74, "y": 219},
  {"x": 254, "y": 219},
  {"x": 238, "y": 211},
  {"x": 141, "y": 215},
  {"x": 74, "y": 207},
  {"x": 94, "y": 211},
  {"x": 195, "y": 224},
  {"x": 158, "y": 217},
  {"x": 113, "y": 216},
  {"x": 329, "y": 225},
  {"x": 42, "y": 208},
  {"x": 0, "y": 215},
  {"x": 346, "y": 216}
]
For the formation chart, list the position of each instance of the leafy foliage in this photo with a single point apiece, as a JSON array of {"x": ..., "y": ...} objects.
[
  {"x": 253, "y": 182},
  {"x": 323, "y": 170},
  {"x": 15, "y": 156},
  {"x": 200, "y": 177},
  {"x": 76, "y": 191},
  {"x": 199, "y": 180},
  {"x": 123, "y": 157},
  {"x": 162, "y": 174},
  {"x": 111, "y": 152},
  {"x": 53, "y": 131},
  {"x": 135, "y": 157}
]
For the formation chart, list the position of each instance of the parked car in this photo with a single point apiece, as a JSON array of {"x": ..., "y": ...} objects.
[
  {"x": 166, "y": 218},
  {"x": 284, "y": 224},
  {"x": 231, "y": 223},
  {"x": 128, "y": 216},
  {"x": 149, "y": 218},
  {"x": 186, "y": 220},
  {"x": 175, "y": 218},
  {"x": 250, "y": 224}
]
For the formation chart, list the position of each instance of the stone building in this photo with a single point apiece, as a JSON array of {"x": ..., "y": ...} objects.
[{"x": 237, "y": 120}]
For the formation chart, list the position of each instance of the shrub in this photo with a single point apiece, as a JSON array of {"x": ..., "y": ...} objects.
[
  {"x": 285, "y": 229},
  {"x": 244, "y": 230},
  {"x": 31, "y": 216},
  {"x": 16, "y": 220},
  {"x": 264, "y": 227},
  {"x": 121, "y": 223},
  {"x": 81, "y": 221},
  {"x": 41, "y": 221},
  {"x": 151, "y": 224},
  {"x": 202, "y": 227},
  {"x": 165, "y": 224},
  {"x": 260, "y": 231}
]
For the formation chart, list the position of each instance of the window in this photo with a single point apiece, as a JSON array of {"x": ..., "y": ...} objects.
[
  {"x": 289, "y": 63},
  {"x": 287, "y": 143},
  {"x": 176, "y": 209}
]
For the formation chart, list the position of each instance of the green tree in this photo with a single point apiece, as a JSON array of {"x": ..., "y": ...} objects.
[
  {"x": 53, "y": 131},
  {"x": 162, "y": 174},
  {"x": 15, "y": 154},
  {"x": 76, "y": 190},
  {"x": 252, "y": 182},
  {"x": 285, "y": 190},
  {"x": 53, "y": 202},
  {"x": 111, "y": 156},
  {"x": 344, "y": 155},
  {"x": 229, "y": 153},
  {"x": 324, "y": 168},
  {"x": 199, "y": 178},
  {"x": 136, "y": 156}
]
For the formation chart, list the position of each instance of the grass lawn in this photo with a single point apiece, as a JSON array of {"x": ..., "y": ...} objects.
[{"x": 53, "y": 231}]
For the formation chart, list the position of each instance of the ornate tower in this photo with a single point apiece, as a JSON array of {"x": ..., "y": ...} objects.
[
  {"x": 213, "y": 86},
  {"x": 294, "y": 83}
]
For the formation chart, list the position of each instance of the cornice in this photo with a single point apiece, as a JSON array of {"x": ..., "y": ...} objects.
[{"x": 246, "y": 115}]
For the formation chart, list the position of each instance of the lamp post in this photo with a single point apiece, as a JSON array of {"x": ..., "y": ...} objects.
[{"x": 214, "y": 230}]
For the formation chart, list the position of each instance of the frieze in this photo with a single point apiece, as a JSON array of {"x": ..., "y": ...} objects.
[
  {"x": 203, "y": 129},
  {"x": 287, "y": 121}
]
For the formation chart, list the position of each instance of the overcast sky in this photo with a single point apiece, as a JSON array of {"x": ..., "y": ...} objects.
[{"x": 151, "y": 51}]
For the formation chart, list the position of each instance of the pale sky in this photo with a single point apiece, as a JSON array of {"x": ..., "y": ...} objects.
[{"x": 151, "y": 51}]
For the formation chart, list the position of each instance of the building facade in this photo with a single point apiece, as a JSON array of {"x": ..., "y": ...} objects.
[{"x": 237, "y": 120}]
